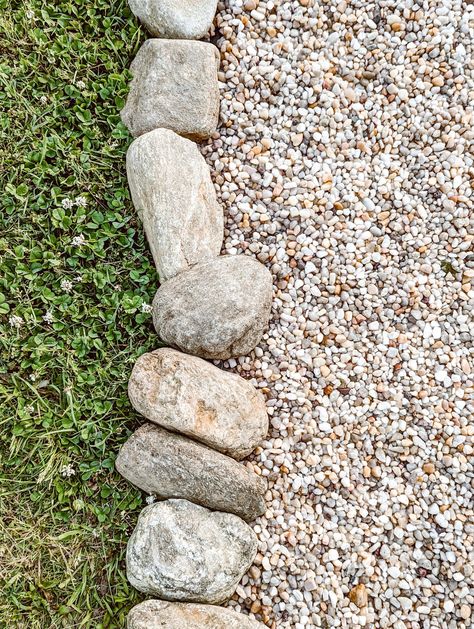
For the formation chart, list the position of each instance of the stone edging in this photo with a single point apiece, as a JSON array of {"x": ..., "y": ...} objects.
[{"x": 194, "y": 546}]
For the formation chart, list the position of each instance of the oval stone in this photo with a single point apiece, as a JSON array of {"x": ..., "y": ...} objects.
[
  {"x": 173, "y": 194},
  {"x": 182, "y": 552},
  {"x": 172, "y": 466},
  {"x": 174, "y": 86},
  {"x": 215, "y": 310},
  {"x": 175, "y": 19},
  {"x": 155, "y": 614},
  {"x": 186, "y": 394}
]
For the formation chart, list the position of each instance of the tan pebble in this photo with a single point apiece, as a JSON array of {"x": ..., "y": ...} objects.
[
  {"x": 465, "y": 612},
  {"x": 265, "y": 615},
  {"x": 350, "y": 94},
  {"x": 465, "y": 366},
  {"x": 358, "y": 595},
  {"x": 438, "y": 81},
  {"x": 296, "y": 139},
  {"x": 325, "y": 371},
  {"x": 271, "y": 31},
  {"x": 250, "y": 5},
  {"x": 376, "y": 472},
  {"x": 429, "y": 468},
  {"x": 255, "y": 572},
  {"x": 256, "y": 607},
  {"x": 292, "y": 540}
]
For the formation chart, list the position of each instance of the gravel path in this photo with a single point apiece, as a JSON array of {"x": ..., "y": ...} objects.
[{"x": 345, "y": 160}]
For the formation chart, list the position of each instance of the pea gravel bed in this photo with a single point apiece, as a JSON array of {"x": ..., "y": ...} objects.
[{"x": 344, "y": 162}]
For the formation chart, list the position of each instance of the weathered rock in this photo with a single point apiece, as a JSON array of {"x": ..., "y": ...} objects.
[
  {"x": 174, "y": 86},
  {"x": 175, "y": 19},
  {"x": 215, "y": 310},
  {"x": 172, "y": 466},
  {"x": 165, "y": 615},
  {"x": 189, "y": 395},
  {"x": 182, "y": 552},
  {"x": 173, "y": 193}
]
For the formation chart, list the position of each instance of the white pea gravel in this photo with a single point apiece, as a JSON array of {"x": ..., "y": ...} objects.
[{"x": 345, "y": 161}]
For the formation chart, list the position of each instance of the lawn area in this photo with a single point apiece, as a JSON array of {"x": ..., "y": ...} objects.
[{"x": 76, "y": 278}]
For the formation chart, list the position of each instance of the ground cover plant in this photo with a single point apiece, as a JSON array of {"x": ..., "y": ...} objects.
[{"x": 76, "y": 281}]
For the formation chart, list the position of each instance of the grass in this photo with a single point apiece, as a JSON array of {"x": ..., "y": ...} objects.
[{"x": 74, "y": 276}]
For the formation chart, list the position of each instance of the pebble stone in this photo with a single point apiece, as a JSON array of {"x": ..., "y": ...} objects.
[
  {"x": 169, "y": 465},
  {"x": 215, "y": 310},
  {"x": 174, "y": 196},
  {"x": 164, "y": 615},
  {"x": 174, "y": 86},
  {"x": 344, "y": 164},
  {"x": 175, "y": 19},
  {"x": 188, "y": 395},
  {"x": 180, "y": 551}
]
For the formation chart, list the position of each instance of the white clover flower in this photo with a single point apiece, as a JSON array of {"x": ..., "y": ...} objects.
[
  {"x": 67, "y": 471},
  {"x": 30, "y": 14},
  {"x": 48, "y": 317},
  {"x": 78, "y": 241},
  {"x": 32, "y": 377},
  {"x": 147, "y": 308},
  {"x": 15, "y": 321},
  {"x": 67, "y": 204},
  {"x": 81, "y": 85},
  {"x": 150, "y": 500},
  {"x": 44, "y": 99},
  {"x": 66, "y": 286},
  {"x": 81, "y": 201}
]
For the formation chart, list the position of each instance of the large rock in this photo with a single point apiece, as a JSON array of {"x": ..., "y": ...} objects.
[
  {"x": 173, "y": 193},
  {"x": 175, "y": 19},
  {"x": 165, "y": 615},
  {"x": 182, "y": 552},
  {"x": 215, "y": 310},
  {"x": 174, "y": 86},
  {"x": 172, "y": 466},
  {"x": 189, "y": 395}
]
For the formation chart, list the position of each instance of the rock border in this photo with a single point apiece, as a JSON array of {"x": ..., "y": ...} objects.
[{"x": 167, "y": 102}]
